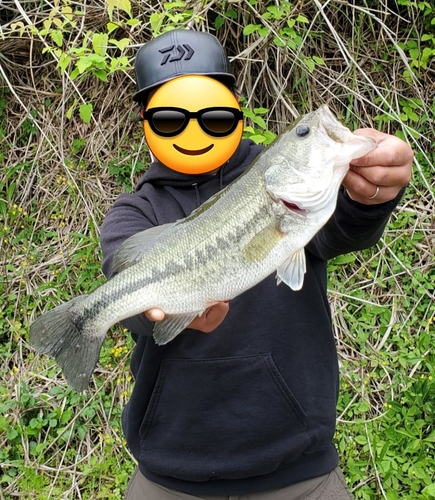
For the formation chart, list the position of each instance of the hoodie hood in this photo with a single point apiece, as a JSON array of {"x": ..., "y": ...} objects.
[{"x": 161, "y": 176}]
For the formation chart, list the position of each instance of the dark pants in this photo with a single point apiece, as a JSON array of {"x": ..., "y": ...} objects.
[{"x": 329, "y": 487}]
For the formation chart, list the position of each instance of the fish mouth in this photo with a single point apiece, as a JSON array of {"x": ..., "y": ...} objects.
[
  {"x": 193, "y": 152},
  {"x": 294, "y": 207}
]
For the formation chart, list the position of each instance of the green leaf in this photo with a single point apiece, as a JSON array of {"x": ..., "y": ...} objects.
[
  {"x": 12, "y": 434},
  {"x": 57, "y": 37},
  {"x": 111, "y": 27},
  {"x": 260, "y": 122},
  {"x": 344, "y": 259},
  {"x": 40, "y": 447},
  {"x": 118, "y": 63},
  {"x": 415, "y": 54},
  {"x": 318, "y": 60},
  {"x": 310, "y": 63},
  {"x": 120, "y": 44},
  {"x": 99, "y": 43},
  {"x": 361, "y": 439},
  {"x": 133, "y": 22},
  {"x": 260, "y": 111},
  {"x": 85, "y": 111},
  {"x": 156, "y": 21},
  {"x": 97, "y": 60},
  {"x": 249, "y": 130},
  {"x": 302, "y": 19},
  {"x": 257, "y": 138},
  {"x": 219, "y": 22},
  {"x": 67, "y": 12},
  {"x": 83, "y": 64},
  {"x": 430, "y": 490},
  {"x": 100, "y": 74},
  {"x": 110, "y": 7},
  {"x": 250, "y": 28},
  {"x": 74, "y": 73},
  {"x": 263, "y": 31},
  {"x": 364, "y": 406},
  {"x": 174, "y": 5},
  {"x": 278, "y": 41},
  {"x": 63, "y": 62},
  {"x": 123, "y": 5},
  {"x": 70, "y": 110}
]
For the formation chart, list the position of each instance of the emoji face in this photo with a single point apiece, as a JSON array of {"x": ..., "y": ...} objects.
[{"x": 193, "y": 124}]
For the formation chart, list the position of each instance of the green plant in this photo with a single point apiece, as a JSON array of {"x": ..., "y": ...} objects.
[{"x": 69, "y": 146}]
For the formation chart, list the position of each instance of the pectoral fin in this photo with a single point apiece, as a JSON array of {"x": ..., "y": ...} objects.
[
  {"x": 167, "y": 329},
  {"x": 262, "y": 244},
  {"x": 292, "y": 271},
  {"x": 133, "y": 248}
]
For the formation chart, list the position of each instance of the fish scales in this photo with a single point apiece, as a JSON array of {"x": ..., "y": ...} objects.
[
  {"x": 257, "y": 225},
  {"x": 184, "y": 266},
  {"x": 190, "y": 270}
]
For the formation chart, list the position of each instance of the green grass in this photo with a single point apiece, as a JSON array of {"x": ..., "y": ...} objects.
[{"x": 60, "y": 175}]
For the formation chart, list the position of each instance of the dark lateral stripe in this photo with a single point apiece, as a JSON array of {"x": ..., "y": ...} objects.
[{"x": 218, "y": 246}]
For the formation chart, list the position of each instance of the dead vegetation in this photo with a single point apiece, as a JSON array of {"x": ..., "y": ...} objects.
[{"x": 59, "y": 176}]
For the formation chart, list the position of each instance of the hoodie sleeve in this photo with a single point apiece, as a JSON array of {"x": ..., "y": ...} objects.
[
  {"x": 129, "y": 215},
  {"x": 353, "y": 226}
]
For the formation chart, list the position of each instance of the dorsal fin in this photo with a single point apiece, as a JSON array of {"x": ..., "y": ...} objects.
[{"x": 133, "y": 248}]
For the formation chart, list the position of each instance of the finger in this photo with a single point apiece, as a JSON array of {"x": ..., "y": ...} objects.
[
  {"x": 362, "y": 190},
  {"x": 155, "y": 314},
  {"x": 383, "y": 176},
  {"x": 211, "y": 318},
  {"x": 391, "y": 151}
]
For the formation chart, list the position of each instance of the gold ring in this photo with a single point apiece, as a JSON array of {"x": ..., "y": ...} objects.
[{"x": 374, "y": 195}]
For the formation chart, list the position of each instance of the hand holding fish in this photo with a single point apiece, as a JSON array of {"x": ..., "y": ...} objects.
[
  {"x": 379, "y": 176},
  {"x": 205, "y": 323}
]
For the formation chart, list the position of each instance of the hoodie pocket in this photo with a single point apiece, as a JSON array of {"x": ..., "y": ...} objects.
[{"x": 224, "y": 418}]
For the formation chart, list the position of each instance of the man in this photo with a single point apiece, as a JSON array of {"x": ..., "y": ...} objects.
[{"x": 247, "y": 412}]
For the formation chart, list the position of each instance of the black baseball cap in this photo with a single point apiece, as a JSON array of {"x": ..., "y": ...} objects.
[{"x": 176, "y": 53}]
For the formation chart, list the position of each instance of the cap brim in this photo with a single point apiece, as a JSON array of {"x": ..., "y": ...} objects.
[{"x": 141, "y": 96}]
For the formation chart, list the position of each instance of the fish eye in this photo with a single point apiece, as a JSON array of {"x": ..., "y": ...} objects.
[{"x": 302, "y": 130}]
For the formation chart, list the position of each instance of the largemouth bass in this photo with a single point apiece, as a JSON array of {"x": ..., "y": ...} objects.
[{"x": 255, "y": 226}]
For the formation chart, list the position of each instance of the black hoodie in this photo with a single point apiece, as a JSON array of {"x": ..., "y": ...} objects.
[{"x": 251, "y": 406}]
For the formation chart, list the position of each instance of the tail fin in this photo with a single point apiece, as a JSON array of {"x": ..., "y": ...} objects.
[{"x": 76, "y": 350}]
